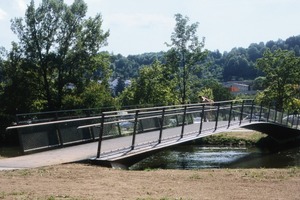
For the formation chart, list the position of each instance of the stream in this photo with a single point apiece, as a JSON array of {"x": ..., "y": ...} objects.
[{"x": 203, "y": 157}]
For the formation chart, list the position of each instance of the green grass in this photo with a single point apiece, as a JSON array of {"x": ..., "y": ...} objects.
[
  {"x": 232, "y": 139},
  {"x": 195, "y": 177},
  {"x": 294, "y": 171},
  {"x": 15, "y": 194}
]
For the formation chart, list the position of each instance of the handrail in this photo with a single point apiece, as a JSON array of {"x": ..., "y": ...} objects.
[
  {"x": 181, "y": 106},
  {"x": 52, "y": 122},
  {"x": 231, "y": 112},
  {"x": 105, "y": 113}
]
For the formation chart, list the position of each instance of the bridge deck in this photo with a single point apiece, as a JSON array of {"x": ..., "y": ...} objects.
[
  {"x": 111, "y": 148},
  {"x": 125, "y": 149}
]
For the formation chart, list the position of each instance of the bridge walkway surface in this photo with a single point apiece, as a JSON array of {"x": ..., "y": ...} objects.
[
  {"x": 109, "y": 146},
  {"x": 151, "y": 129}
]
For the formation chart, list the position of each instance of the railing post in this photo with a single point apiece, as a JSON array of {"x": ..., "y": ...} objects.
[
  {"x": 201, "y": 119},
  {"x": 260, "y": 111},
  {"x": 275, "y": 118},
  {"x": 100, "y": 136},
  {"x": 269, "y": 110},
  {"x": 217, "y": 116},
  {"x": 251, "y": 114},
  {"x": 119, "y": 129},
  {"x": 183, "y": 122},
  {"x": 17, "y": 118},
  {"x": 60, "y": 140},
  {"x": 287, "y": 118},
  {"x": 242, "y": 110},
  {"x": 177, "y": 122},
  {"x": 134, "y": 129},
  {"x": 293, "y": 120},
  {"x": 297, "y": 121},
  {"x": 230, "y": 112},
  {"x": 281, "y": 116},
  {"x": 161, "y": 125}
]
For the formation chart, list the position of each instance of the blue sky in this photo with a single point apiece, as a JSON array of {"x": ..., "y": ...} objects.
[{"x": 138, "y": 26}]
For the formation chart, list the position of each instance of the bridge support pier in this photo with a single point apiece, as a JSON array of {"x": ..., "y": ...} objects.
[
  {"x": 117, "y": 165},
  {"x": 126, "y": 161}
]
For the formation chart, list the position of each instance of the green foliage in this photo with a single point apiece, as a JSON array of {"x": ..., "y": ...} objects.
[
  {"x": 95, "y": 95},
  {"x": 38, "y": 105},
  {"x": 213, "y": 66},
  {"x": 206, "y": 92},
  {"x": 18, "y": 83},
  {"x": 128, "y": 67},
  {"x": 219, "y": 93},
  {"x": 151, "y": 87},
  {"x": 71, "y": 101},
  {"x": 127, "y": 97},
  {"x": 185, "y": 54},
  {"x": 226, "y": 140},
  {"x": 259, "y": 83},
  {"x": 282, "y": 69},
  {"x": 237, "y": 64},
  {"x": 57, "y": 46}
]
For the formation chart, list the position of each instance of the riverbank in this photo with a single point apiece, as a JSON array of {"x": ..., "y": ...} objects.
[
  {"x": 238, "y": 137},
  {"x": 84, "y": 181}
]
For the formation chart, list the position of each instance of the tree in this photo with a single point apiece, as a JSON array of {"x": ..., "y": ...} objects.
[
  {"x": 219, "y": 92},
  {"x": 151, "y": 87},
  {"x": 185, "y": 53},
  {"x": 259, "y": 83},
  {"x": 282, "y": 71},
  {"x": 59, "y": 45},
  {"x": 207, "y": 93},
  {"x": 120, "y": 86},
  {"x": 94, "y": 93},
  {"x": 214, "y": 67},
  {"x": 17, "y": 83}
]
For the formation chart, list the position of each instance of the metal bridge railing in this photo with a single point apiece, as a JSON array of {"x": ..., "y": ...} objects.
[{"x": 132, "y": 122}]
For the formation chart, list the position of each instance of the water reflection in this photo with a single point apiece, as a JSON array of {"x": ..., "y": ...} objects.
[{"x": 197, "y": 157}]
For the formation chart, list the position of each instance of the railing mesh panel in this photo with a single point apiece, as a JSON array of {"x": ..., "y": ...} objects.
[{"x": 38, "y": 137}]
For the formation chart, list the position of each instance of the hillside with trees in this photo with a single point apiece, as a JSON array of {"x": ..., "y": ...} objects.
[{"x": 237, "y": 64}]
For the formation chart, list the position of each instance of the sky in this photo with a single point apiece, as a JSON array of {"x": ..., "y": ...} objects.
[{"x": 140, "y": 26}]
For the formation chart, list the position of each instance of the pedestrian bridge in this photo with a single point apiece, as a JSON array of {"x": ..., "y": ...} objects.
[{"x": 123, "y": 137}]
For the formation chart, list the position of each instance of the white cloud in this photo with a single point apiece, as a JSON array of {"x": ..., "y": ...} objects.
[
  {"x": 3, "y": 14},
  {"x": 139, "y": 20},
  {"x": 21, "y": 5},
  {"x": 133, "y": 33}
]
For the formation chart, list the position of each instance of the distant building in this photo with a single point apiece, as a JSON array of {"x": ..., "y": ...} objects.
[
  {"x": 239, "y": 87},
  {"x": 127, "y": 83},
  {"x": 113, "y": 84},
  {"x": 70, "y": 86}
]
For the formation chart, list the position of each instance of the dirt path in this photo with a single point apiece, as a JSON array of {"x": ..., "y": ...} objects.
[{"x": 83, "y": 181}]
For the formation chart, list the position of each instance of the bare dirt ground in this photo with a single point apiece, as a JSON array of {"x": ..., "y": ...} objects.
[{"x": 84, "y": 181}]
